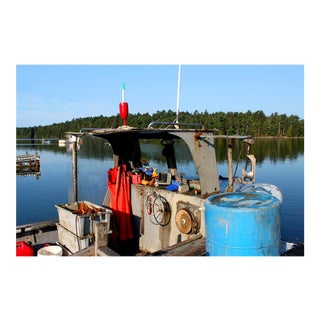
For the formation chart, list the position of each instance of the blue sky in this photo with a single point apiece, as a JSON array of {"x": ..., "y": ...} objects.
[{"x": 56, "y": 93}]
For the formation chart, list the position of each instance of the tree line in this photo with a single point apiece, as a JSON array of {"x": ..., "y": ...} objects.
[{"x": 248, "y": 123}]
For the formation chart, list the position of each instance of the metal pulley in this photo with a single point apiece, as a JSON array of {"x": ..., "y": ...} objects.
[
  {"x": 158, "y": 209},
  {"x": 249, "y": 176},
  {"x": 186, "y": 221}
]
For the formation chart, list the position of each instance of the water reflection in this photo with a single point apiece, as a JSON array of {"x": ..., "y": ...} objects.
[
  {"x": 279, "y": 161},
  {"x": 275, "y": 149}
]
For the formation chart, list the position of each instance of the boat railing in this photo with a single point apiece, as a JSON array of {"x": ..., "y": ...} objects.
[
  {"x": 174, "y": 124},
  {"x": 82, "y": 130},
  {"x": 36, "y": 226}
]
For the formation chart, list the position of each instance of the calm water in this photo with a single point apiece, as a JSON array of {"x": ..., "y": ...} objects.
[{"x": 280, "y": 162}]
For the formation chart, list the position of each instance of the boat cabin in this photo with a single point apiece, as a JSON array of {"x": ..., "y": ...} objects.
[{"x": 153, "y": 211}]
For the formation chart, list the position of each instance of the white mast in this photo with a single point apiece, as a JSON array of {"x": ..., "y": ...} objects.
[{"x": 178, "y": 95}]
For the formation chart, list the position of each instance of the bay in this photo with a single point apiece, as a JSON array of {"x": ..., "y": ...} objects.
[{"x": 279, "y": 162}]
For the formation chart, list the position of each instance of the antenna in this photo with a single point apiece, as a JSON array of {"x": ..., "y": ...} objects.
[
  {"x": 178, "y": 95},
  {"x": 123, "y": 88}
]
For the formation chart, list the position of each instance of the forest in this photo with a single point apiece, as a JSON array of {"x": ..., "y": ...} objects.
[{"x": 248, "y": 123}]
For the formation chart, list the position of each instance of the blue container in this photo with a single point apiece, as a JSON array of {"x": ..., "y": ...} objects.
[{"x": 242, "y": 224}]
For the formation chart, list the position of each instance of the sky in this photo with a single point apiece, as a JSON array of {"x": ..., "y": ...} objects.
[{"x": 47, "y": 94}]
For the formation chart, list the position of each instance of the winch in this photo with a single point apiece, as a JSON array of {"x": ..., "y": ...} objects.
[{"x": 187, "y": 218}]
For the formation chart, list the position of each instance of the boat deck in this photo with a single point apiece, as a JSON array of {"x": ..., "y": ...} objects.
[
  {"x": 43, "y": 233},
  {"x": 38, "y": 233}
]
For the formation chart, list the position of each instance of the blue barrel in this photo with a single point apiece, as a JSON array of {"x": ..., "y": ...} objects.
[{"x": 242, "y": 224}]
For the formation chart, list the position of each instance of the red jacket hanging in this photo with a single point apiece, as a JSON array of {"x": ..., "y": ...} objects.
[{"x": 120, "y": 202}]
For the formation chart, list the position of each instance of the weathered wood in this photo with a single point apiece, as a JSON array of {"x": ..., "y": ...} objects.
[
  {"x": 106, "y": 251},
  {"x": 75, "y": 170},
  {"x": 28, "y": 157},
  {"x": 86, "y": 252},
  {"x": 90, "y": 252},
  {"x": 193, "y": 247},
  {"x": 27, "y": 161},
  {"x": 101, "y": 235}
]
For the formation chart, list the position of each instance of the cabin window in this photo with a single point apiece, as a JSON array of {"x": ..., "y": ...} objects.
[{"x": 152, "y": 151}]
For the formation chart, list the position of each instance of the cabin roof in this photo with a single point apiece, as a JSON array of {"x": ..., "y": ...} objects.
[
  {"x": 151, "y": 133},
  {"x": 147, "y": 133}
]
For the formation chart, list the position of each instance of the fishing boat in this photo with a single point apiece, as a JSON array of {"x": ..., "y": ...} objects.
[
  {"x": 46, "y": 141},
  {"x": 167, "y": 213},
  {"x": 145, "y": 212}
]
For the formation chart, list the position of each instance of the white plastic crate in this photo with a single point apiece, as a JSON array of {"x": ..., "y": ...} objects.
[
  {"x": 79, "y": 224},
  {"x": 71, "y": 241}
]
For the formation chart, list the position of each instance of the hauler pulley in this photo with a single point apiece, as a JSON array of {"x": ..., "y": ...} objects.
[{"x": 158, "y": 209}]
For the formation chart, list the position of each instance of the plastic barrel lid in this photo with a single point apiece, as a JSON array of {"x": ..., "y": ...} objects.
[{"x": 243, "y": 200}]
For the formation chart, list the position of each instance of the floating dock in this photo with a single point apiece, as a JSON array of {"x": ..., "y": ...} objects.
[
  {"x": 28, "y": 165},
  {"x": 28, "y": 160}
]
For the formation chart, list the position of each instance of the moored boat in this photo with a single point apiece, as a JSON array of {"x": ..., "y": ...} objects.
[
  {"x": 146, "y": 212},
  {"x": 150, "y": 212}
]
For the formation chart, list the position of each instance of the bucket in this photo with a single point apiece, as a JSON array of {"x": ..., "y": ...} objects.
[
  {"x": 50, "y": 251},
  {"x": 242, "y": 224}
]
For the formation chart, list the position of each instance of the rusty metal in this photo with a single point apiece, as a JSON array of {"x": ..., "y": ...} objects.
[{"x": 184, "y": 221}]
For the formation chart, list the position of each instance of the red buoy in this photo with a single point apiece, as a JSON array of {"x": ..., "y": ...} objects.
[
  {"x": 123, "y": 106},
  {"x": 24, "y": 249}
]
